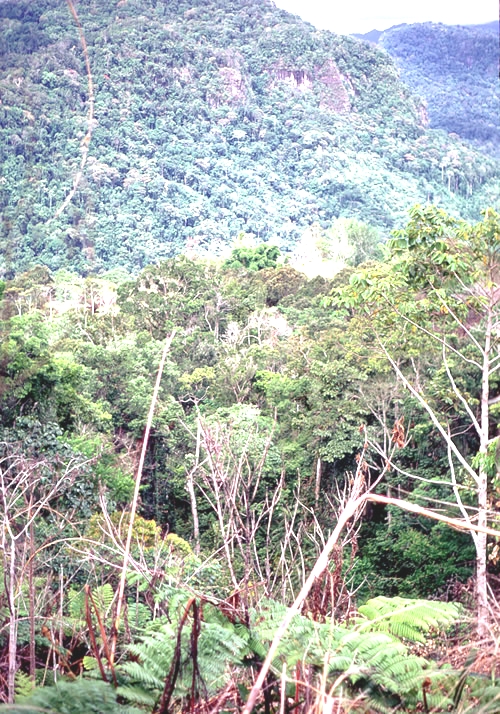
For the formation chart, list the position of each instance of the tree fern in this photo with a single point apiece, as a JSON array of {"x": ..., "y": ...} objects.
[
  {"x": 219, "y": 646},
  {"x": 377, "y": 666},
  {"x": 375, "y": 663}
]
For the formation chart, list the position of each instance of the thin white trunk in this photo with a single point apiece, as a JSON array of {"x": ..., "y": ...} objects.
[
  {"x": 12, "y": 664},
  {"x": 482, "y": 490},
  {"x": 61, "y": 606},
  {"x": 32, "y": 593},
  {"x": 317, "y": 485},
  {"x": 480, "y": 477},
  {"x": 135, "y": 498},
  {"x": 191, "y": 491}
]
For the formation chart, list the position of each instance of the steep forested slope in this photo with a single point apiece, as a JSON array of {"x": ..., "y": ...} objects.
[
  {"x": 210, "y": 119},
  {"x": 455, "y": 69}
]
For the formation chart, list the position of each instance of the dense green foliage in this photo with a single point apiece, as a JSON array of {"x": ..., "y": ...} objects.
[
  {"x": 455, "y": 69},
  {"x": 211, "y": 119},
  {"x": 378, "y": 667},
  {"x": 276, "y": 389}
]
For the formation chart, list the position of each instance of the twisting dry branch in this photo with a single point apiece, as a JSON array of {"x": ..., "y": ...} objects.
[
  {"x": 25, "y": 493},
  {"x": 229, "y": 478}
]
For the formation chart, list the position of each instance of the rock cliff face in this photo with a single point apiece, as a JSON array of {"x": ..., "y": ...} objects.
[
  {"x": 233, "y": 84},
  {"x": 326, "y": 81},
  {"x": 335, "y": 89}
]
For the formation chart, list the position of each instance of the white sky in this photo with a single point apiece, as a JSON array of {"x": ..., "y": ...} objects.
[{"x": 347, "y": 16}]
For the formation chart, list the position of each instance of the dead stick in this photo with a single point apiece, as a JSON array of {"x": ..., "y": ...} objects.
[
  {"x": 88, "y": 617},
  {"x": 171, "y": 678},
  {"x": 135, "y": 498}
]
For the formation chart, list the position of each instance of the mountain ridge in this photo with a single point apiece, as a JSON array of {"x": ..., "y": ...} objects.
[
  {"x": 374, "y": 35},
  {"x": 210, "y": 121}
]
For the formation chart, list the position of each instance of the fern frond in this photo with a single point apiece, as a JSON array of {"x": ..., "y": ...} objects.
[
  {"x": 439, "y": 702},
  {"x": 138, "y": 616},
  {"x": 405, "y": 618},
  {"x": 76, "y": 604},
  {"x": 90, "y": 664},
  {"x": 490, "y": 701},
  {"x": 81, "y": 696},
  {"x": 23, "y": 686},
  {"x": 102, "y": 596},
  {"x": 136, "y": 695},
  {"x": 147, "y": 672}
]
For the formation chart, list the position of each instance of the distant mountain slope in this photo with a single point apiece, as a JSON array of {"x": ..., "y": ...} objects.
[
  {"x": 212, "y": 117},
  {"x": 375, "y": 35},
  {"x": 372, "y": 36},
  {"x": 488, "y": 27},
  {"x": 455, "y": 69}
]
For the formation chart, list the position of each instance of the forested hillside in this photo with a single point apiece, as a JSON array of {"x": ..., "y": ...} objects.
[
  {"x": 210, "y": 119},
  {"x": 455, "y": 69}
]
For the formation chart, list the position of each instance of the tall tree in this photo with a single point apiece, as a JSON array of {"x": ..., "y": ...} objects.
[{"x": 441, "y": 285}]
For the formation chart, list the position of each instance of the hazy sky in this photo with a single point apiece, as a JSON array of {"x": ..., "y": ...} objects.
[{"x": 346, "y": 16}]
